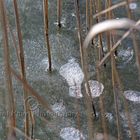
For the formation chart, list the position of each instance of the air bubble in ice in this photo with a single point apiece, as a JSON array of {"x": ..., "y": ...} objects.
[
  {"x": 133, "y": 96},
  {"x": 96, "y": 88}
]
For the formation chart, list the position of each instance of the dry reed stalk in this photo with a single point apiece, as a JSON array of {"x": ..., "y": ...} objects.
[
  {"x": 87, "y": 100},
  {"x": 95, "y": 5},
  {"x": 20, "y": 43},
  {"x": 22, "y": 66},
  {"x": 46, "y": 25},
  {"x": 100, "y": 45},
  {"x": 33, "y": 124},
  {"x": 101, "y": 106},
  {"x": 135, "y": 41},
  {"x": 87, "y": 15},
  {"x": 95, "y": 8},
  {"x": 90, "y": 13},
  {"x": 90, "y": 119},
  {"x": 90, "y": 109},
  {"x": 113, "y": 65},
  {"x": 59, "y": 12},
  {"x": 109, "y": 25},
  {"x": 115, "y": 92},
  {"x": 76, "y": 3},
  {"x": 8, "y": 78},
  {"x": 100, "y": 55},
  {"x": 108, "y": 16},
  {"x": 117, "y": 88},
  {"x": 109, "y": 9},
  {"x": 33, "y": 93},
  {"x": 98, "y": 7},
  {"x": 120, "y": 33},
  {"x": 14, "y": 41},
  {"x": 128, "y": 116},
  {"x": 128, "y": 9}
]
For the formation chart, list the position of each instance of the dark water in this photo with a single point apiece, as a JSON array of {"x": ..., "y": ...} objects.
[{"x": 54, "y": 87}]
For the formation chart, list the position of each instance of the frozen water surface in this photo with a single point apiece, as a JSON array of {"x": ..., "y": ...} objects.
[
  {"x": 96, "y": 88},
  {"x": 64, "y": 44},
  {"x": 132, "y": 95},
  {"x": 74, "y": 76},
  {"x": 70, "y": 133}
]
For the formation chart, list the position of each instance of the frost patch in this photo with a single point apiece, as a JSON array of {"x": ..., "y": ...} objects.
[
  {"x": 96, "y": 88},
  {"x": 70, "y": 133},
  {"x": 74, "y": 76},
  {"x": 133, "y": 96}
]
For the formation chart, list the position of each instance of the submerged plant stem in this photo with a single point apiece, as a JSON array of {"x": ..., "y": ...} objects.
[{"x": 10, "y": 95}]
